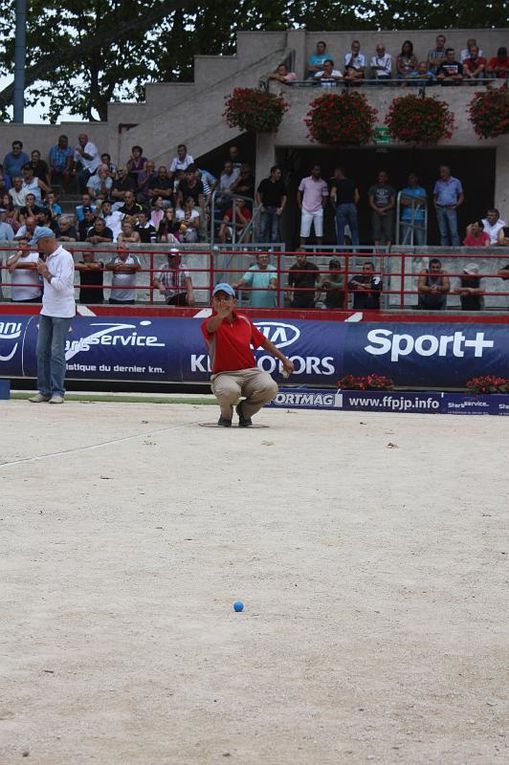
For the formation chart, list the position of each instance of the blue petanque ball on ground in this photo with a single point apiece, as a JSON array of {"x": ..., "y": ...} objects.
[{"x": 238, "y": 605}]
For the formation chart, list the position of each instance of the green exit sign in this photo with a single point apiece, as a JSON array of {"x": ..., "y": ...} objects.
[{"x": 382, "y": 135}]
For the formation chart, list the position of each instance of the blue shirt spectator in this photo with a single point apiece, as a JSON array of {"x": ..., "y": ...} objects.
[
  {"x": 409, "y": 193},
  {"x": 447, "y": 191},
  {"x": 317, "y": 59},
  {"x": 15, "y": 160}
]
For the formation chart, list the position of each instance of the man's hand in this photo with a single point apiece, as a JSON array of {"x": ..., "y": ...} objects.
[
  {"x": 224, "y": 310},
  {"x": 288, "y": 366}
]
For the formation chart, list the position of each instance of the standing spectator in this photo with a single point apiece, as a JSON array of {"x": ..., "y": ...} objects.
[
  {"x": 382, "y": 197},
  {"x": 182, "y": 160},
  {"x": 230, "y": 336},
  {"x": 15, "y": 160},
  {"x": 366, "y": 288},
  {"x": 60, "y": 160},
  {"x": 261, "y": 280},
  {"x": 467, "y": 52},
  {"x": 33, "y": 185},
  {"x": 174, "y": 281},
  {"x": 381, "y": 64},
  {"x": 25, "y": 281},
  {"x": 123, "y": 283},
  {"x": 317, "y": 59},
  {"x": 413, "y": 215},
  {"x": 328, "y": 76},
  {"x": 311, "y": 199},
  {"x": 406, "y": 62},
  {"x": 448, "y": 196},
  {"x": 333, "y": 284},
  {"x": 283, "y": 76},
  {"x": 86, "y": 160},
  {"x": 121, "y": 185},
  {"x": 302, "y": 279},
  {"x": 345, "y": 197},
  {"x": 235, "y": 158},
  {"x": 272, "y": 196},
  {"x": 451, "y": 71},
  {"x": 476, "y": 236},
  {"x": 91, "y": 274},
  {"x": 112, "y": 218},
  {"x": 161, "y": 186},
  {"x": 492, "y": 224},
  {"x": 433, "y": 286},
  {"x": 100, "y": 184},
  {"x": 498, "y": 66},
  {"x": 136, "y": 164},
  {"x": 470, "y": 291},
  {"x": 41, "y": 169},
  {"x": 436, "y": 56},
  {"x": 474, "y": 67},
  {"x": 58, "y": 310},
  {"x": 355, "y": 64}
]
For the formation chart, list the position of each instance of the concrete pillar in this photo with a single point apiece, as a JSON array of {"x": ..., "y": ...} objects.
[
  {"x": 502, "y": 176},
  {"x": 265, "y": 155}
]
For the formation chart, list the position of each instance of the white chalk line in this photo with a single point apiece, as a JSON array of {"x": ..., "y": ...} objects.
[{"x": 78, "y": 449}]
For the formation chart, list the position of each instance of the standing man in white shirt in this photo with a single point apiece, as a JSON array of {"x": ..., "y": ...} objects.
[
  {"x": 86, "y": 155},
  {"x": 56, "y": 266}
]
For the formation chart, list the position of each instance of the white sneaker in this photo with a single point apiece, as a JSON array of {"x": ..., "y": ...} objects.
[
  {"x": 38, "y": 398},
  {"x": 56, "y": 399}
]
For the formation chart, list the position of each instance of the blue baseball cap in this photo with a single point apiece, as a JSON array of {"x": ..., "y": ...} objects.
[
  {"x": 224, "y": 287},
  {"x": 41, "y": 232}
]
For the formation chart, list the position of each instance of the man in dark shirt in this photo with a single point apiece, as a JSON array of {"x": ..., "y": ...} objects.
[
  {"x": 130, "y": 206},
  {"x": 470, "y": 291},
  {"x": 121, "y": 185},
  {"x": 87, "y": 222},
  {"x": 366, "y": 288},
  {"x": 271, "y": 195},
  {"x": 302, "y": 277},
  {"x": 161, "y": 186},
  {"x": 145, "y": 228},
  {"x": 345, "y": 196},
  {"x": 382, "y": 198},
  {"x": 99, "y": 233},
  {"x": 191, "y": 186},
  {"x": 451, "y": 71},
  {"x": 91, "y": 278}
]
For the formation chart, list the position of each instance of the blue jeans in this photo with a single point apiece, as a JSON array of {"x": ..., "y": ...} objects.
[
  {"x": 269, "y": 225},
  {"x": 347, "y": 213},
  {"x": 53, "y": 332},
  {"x": 447, "y": 220}
]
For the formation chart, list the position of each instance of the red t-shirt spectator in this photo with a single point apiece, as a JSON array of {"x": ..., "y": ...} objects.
[
  {"x": 500, "y": 66},
  {"x": 230, "y": 345},
  {"x": 482, "y": 240}
]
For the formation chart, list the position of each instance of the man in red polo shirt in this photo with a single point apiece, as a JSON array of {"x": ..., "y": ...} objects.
[{"x": 229, "y": 336}]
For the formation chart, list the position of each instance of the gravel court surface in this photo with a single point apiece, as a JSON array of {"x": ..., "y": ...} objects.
[{"x": 371, "y": 552}]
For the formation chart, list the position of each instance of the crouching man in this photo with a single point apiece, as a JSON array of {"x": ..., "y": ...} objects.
[{"x": 229, "y": 336}]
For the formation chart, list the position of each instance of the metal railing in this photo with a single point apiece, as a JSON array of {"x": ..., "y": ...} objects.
[
  {"x": 238, "y": 231},
  {"x": 406, "y": 230}
]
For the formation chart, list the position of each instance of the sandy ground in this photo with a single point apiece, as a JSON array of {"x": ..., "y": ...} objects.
[{"x": 375, "y": 583}]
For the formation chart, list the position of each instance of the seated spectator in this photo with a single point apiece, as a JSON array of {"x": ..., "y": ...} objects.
[
  {"x": 436, "y": 56},
  {"x": 188, "y": 220},
  {"x": 498, "y": 66},
  {"x": 355, "y": 64},
  {"x": 99, "y": 233},
  {"x": 238, "y": 217},
  {"x": 33, "y": 184},
  {"x": 123, "y": 283},
  {"x": 40, "y": 168},
  {"x": 100, "y": 184},
  {"x": 302, "y": 280},
  {"x": 60, "y": 160},
  {"x": 235, "y": 158},
  {"x": 89, "y": 216},
  {"x": 106, "y": 160},
  {"x": 413, "y": 203},
  {"x": 4, "y": 182},
  {"x": 503, "y": 237},
  {"x": 492, "y": 224},
  {"x": 144, "y": 179},
  {"x": 174, "y": 281},
  {"x": 261, "y": 281},
  {"x": 282, "y": 75},
  {"x": 244, "y": 185},
  {"x": 86, "y": 204},
  {"x": 11, "y": 215},
  {"x": 381, "y": 64},
  {"x": 157, "y": 212},
  {"x": 26, "y": 232},
  {"x": 136, "y": 164},
  {"x": 122, "y": 185},
  {"x": 182, "y": 160},
  {"x": 226, "y": 180},
  {"x": 470, "y": 291},
  {"x": 168, "y": 227},
  {"x": 433, "y": 286},
  {"x": 67, "y": 229},
  {"x": 328, "y": 76},
  {"x": 112, "y": 218},
  {"x": 209, "y": 184},
  {"x": 53, "y": 206},
  {"x": 333, "y": 284},
  {"x": 476, "y": 236},
  {"x": 15, "y": 160},
  {"x": 18, "y": 193},
  {"x": 406, "y": 62},
  {"x": 191, "y": 186},
  {"x": 128, "y": 235},
  {"x": 467, "y": 52},
  {"x": 26, "y": 284},
  {"x": 144, "y": 227},
  {"x": 317, "y": 59},
  {"x": 161, "y": 186},
  {"x": 422, "y": 75},
  {"x": 130, "y": 207},
  {"x": 366, "y": 288},
  {"x": 451, "y": 71},
  {"x": 474, "y": 67},
  {"x": 6, "y": 230},
  {"x": 91, "y": 273},
  {"x": 45, "y": 220},
  {"x": 29, "y": 209}
]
